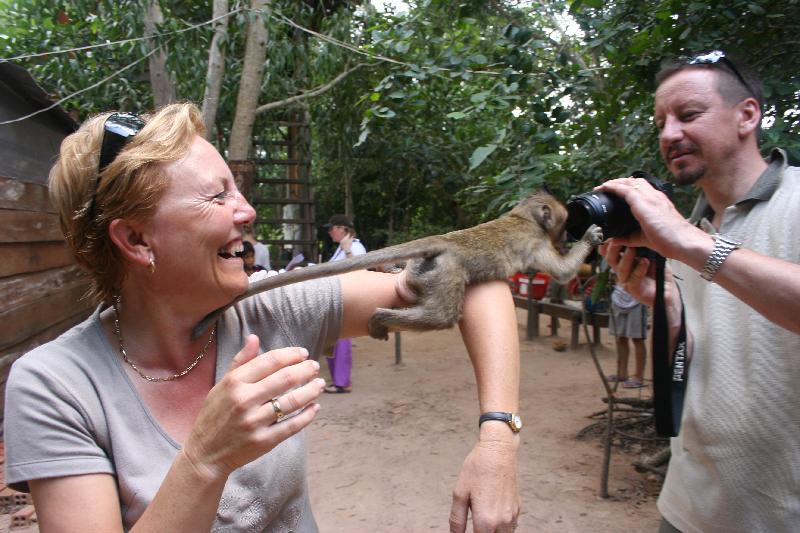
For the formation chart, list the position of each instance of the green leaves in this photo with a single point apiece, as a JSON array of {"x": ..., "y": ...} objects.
[
  {"x": 480, "y": 154},
  {"x": 478, "y": 105}
]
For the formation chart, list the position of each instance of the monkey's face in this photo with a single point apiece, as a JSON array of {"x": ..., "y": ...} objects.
[
  {"x": 544, "y": 209},
  {"x": 557, "y": 229}
]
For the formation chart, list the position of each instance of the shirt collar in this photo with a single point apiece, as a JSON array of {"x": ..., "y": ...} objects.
[{"x": 762, "y": 190}]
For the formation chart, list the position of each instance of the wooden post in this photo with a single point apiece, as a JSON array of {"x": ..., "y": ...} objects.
[
  {"x": 398, "y": 351},
  {"x": 533, "y": 316}
]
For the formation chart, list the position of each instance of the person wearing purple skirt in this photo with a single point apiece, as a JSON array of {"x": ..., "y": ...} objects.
[{"x": 340, "y": 362}]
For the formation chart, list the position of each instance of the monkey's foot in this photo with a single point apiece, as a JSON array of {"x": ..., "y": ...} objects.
[{"x": 377, "y": 330}]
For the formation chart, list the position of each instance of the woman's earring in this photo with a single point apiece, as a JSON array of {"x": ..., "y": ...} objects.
[{"x": 152, "y": 266}]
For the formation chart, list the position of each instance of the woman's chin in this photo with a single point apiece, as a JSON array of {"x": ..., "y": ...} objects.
[{"x": 239, "y": 284}]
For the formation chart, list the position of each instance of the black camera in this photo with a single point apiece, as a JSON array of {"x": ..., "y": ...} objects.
[{"x": 607, "y": 210}]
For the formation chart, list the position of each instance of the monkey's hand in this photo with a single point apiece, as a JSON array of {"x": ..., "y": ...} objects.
[{"x": 593, "y": 235}]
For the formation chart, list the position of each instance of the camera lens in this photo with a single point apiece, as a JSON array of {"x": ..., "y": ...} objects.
[{"x": 608, "y": 211}]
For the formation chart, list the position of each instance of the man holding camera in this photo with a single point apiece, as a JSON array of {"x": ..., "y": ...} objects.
[{"x": 734, "y": 281}]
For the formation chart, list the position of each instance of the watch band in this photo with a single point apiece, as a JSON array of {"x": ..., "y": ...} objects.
[
  {"x": 723, "y": 246},
  {"x": 512, "y": 419}
]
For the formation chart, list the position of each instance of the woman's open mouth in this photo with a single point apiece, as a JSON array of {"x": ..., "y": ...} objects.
[{"x": 232, "y": 250}]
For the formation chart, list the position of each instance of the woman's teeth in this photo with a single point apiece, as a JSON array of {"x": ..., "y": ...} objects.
[{"x": 232, "y": 250}]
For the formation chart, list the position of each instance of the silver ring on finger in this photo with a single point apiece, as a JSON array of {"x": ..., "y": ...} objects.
[{"x": 276, "y": 406}]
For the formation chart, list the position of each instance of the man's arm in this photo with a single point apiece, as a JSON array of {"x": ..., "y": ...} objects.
[{"x": 770, "y": 286}]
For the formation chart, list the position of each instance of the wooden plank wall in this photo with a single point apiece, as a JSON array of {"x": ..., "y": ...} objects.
[{"x": 41, "y": 288}]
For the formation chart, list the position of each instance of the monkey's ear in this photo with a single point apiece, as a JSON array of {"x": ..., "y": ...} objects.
[{"x": 543, "y": 216}]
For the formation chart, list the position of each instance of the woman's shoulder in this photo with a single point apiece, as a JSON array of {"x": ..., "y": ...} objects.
[
  {"x": 292, "y": 297},
  {"x": 75, "y": 351}
]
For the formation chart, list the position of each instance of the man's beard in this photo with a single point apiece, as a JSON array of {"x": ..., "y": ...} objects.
[{"x": 689, "y": 176}]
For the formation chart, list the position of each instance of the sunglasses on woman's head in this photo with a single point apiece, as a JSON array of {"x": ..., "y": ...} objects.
[{"x": 118, "y": 129}]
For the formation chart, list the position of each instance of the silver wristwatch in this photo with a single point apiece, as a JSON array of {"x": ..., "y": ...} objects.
[{"x": 723, "y": 246}]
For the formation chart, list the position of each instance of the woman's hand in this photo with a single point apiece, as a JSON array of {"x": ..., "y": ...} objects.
[
  {"x": 238, "y": 421},
  {"x": 488, "y": 486},
  {"x": 346, "y": 244}
]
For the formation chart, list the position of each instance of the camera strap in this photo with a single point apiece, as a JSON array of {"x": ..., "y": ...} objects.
[{"x": 669, "y": 378}]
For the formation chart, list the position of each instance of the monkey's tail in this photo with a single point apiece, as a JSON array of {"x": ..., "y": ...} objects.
[{"x": 427, "y": 247}]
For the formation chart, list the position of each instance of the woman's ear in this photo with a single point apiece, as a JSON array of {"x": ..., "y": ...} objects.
[{"x": 129, "y": 240}]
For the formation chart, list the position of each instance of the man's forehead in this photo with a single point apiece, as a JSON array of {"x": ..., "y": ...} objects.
[
  {"x": 687, "y": 86},
  {"x": 688, "y": 80}
]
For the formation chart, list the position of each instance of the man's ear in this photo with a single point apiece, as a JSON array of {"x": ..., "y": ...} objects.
[
  {"x": 130, "y": 241},
  {"x": 749, "y": 116}
]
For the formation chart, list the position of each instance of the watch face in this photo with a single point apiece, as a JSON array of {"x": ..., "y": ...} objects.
[{"x": 516, "y": 422}]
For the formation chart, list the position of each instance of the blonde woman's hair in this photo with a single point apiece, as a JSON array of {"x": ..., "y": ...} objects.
[{"x": 129, "y": 187}]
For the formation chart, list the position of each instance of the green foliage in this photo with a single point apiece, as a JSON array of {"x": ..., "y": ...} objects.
[{"x": 480, "y": 102}]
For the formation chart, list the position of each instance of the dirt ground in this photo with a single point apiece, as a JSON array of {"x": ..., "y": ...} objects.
[{"x": 385, "y": 457}]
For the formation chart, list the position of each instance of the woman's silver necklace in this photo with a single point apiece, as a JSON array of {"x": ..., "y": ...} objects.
[{"x": 173, "y": 377}]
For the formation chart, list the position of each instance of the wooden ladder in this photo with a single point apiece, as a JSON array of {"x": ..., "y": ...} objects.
[{"x": 279, "y": 188}]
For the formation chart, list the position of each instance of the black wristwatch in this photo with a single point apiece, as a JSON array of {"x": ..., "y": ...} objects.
[{"x": 512, "y": 419}]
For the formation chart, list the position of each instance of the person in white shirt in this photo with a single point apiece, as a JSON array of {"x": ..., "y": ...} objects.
[{"x": 340, "y": 361}]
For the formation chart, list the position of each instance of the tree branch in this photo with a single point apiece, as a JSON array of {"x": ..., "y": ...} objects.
[{"x": 314, "y": 92}]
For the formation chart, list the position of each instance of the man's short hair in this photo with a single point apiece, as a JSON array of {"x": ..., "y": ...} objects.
[{"x": 735, "y": 83}]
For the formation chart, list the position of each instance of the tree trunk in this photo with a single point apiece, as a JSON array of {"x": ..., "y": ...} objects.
[
  {"x": 216, "y": 67},
  {"x": 348, "y": 192},
  {"x": 160, "y": 80},
  {"x": 250, "y": 86}
]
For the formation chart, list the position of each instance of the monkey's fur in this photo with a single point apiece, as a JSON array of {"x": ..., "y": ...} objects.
[{"x": 439, "y": 267}]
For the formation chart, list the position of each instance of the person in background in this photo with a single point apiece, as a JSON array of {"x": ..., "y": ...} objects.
[
  {"x": 249, "y": 259},
  {"x": 129, "y": 422},
  {"x": 733, "y": 280},
  {"x": 340, "y": 361},
  {"x": 260, "y": 249},
  {"x": 628, "y": 323}
]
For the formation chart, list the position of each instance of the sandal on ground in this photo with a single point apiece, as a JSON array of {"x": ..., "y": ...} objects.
[
  {"x": 335, "y": 389},
  {"x": 612, "y": 378},
  {"x": 633, "y": 383}
]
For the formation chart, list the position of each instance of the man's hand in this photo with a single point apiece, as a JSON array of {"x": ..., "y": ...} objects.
[
  {"x": 633, "y": 273},
  {"x": 488, "y": 485},
  {"x": 663, "y": 229},
  {"x": 637, "y": 277}
]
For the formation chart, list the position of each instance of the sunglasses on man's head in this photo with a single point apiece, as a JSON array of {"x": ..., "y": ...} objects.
[
  {"x": 118, "y": 129},
  {"x": 718, "y": 56}
]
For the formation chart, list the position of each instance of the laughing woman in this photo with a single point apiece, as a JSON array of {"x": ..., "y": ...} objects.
[{"x": 125, "y": 423}]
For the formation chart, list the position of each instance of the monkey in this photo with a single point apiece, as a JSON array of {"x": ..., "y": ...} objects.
[{"x": 439, "y": 267}]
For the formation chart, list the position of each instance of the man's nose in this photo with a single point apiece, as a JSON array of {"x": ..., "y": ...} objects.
[{"x": 671, "y": 130}]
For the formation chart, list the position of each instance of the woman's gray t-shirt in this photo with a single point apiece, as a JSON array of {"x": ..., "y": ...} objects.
[{"x": 71, "y": 409}]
